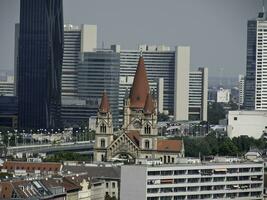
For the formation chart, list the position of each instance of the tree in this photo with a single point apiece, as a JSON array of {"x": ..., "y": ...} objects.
[
  {"x": 227, "y": 147},
  {"x": 162, "y": 117},
  {"x": 66, "y": 156},
  {"x": 215, "y": 113}
]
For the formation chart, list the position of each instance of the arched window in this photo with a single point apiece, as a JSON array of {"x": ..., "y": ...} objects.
[
  {"x": 102, "y": 143},
  {"x": 102, "y": 157},
  {"x": 147, "y": 144},
  {"x": 147, "y": 129},
  {"x": 103, "y": 128}
]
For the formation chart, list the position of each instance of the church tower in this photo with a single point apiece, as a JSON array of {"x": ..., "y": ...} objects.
[
  {"x": 104, "y": 130},
  {"x": 140, "y": 110}
]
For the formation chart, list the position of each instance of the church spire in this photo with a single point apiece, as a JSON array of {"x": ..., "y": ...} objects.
[
  {"x": 149, "y": 105},
  {"x": 140, "y": 87},
  {"x": 104, "y": 106}
]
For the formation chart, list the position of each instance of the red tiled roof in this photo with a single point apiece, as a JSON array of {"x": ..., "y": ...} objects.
[
  {"x": 149, "y": 106},
  {"x": 134, "y": 136},
  {"x": 170, "y": 145},
  {"x": 140, "y": 87},
  {"x": 6, "y": 190},
  {"x": 31, "y": 166},
  {"x": 104, "y": 106}
]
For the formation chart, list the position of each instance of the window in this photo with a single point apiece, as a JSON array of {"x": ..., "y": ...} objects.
[
  {"x": 147, "y": 144},
  {"x": 102, "y": 143},
  {"x": 235, "y": 118},
  {"x": 147, "y": 129},
  {"x": 113, "y": 185},
  {"x": 102, "y": 157},
  {"x": 103, "y": 128},
  {"x": 106, "y": 185}
]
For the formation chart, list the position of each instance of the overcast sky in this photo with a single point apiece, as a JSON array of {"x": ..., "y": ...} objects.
[{"x": 215, "y": 29}]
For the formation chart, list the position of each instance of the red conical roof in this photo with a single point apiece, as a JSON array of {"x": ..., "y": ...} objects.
[
  {"x": 140, "y": 87},
  {"x": 104, "y": 106},
  {"x": 149, "y": 105}
]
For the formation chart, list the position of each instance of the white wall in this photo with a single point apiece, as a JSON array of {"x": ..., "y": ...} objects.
[
  {"x": 181, "y": 87},
  {"x": 133, "y": 182},
  {"x": 160, "y": 94},
  {"x": 250, "y": 123},
  {"x": 205, "y": 76},
  {"x": 88, "y": 38}
]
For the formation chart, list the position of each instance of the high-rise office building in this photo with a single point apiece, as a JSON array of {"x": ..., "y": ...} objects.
[
  {"x": 99, "y": 71},
  {"x": 198, "y": 94},
  {"x": 7, "y": 86},
  {"x": 77, "y": 39},
  {"x": 181, "y": 83},
  {"x": 76, "y": 111},
  {"x": 256, "y": 71},
  {"x": 39, "y": 64}
]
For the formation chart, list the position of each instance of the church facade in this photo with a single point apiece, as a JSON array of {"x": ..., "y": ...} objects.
[{"x": 139, "y": 137}]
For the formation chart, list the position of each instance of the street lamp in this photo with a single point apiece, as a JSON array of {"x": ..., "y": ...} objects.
[{"x": 76, "y": 135}]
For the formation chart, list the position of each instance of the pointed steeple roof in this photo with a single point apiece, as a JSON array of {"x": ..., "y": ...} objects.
[
  {"x": 140, "y": 87},
  {"x": 104, "y": 105},
  {"x": 149, "y": 105}
]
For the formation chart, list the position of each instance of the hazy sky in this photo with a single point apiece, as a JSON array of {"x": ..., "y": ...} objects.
[{"x": 215, "y": 29}]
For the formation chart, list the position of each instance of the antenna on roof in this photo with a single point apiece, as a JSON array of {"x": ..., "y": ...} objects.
[
  {"x": 103, "y": 44},
  {"x": 263, "y": 6},
  {"x": 141, "y": 52}
]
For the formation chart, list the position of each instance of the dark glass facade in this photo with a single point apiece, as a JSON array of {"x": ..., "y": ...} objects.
[
  {"x": 8, "y": 111},
  {"x": 249, "y": 98},
  {"x": 99, "y": 71},
  {"x": 39, "y": 63}
]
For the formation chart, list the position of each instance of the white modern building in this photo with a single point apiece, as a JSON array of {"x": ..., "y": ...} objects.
[
  {"x": 246, "y": 122},
  {"x": 7, "y": 87},
  {"x": 223, "y": 95},
  {"x": 241, "y": 87},
  {"x": 221, "y": 179}
]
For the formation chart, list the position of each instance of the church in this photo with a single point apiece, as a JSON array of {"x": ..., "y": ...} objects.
[{"x": 139, "y": 137}]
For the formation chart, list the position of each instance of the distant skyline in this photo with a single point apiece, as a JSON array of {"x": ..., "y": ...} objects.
[{"x": 216, "y": 30}]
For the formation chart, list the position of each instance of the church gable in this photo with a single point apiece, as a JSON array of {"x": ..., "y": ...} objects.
[{"x": 123, "y": 145}]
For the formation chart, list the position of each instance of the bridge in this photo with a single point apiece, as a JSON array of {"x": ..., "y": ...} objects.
[{"x": 79, "y": 147}]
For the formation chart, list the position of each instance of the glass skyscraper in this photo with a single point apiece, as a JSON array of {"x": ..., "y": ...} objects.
[{"x": 39, "y": 63}]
